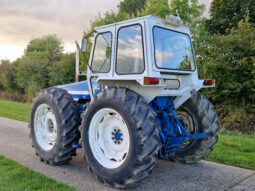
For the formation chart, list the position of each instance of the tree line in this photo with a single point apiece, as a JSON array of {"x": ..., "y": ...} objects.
[
  {"x": 43, "y": 64},
  {"x": 224, "y": 45}
]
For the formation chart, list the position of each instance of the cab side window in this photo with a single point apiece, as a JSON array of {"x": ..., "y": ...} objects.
[
  {"x": 101, "y": 62},
  {"x": 130, "y": 55}
]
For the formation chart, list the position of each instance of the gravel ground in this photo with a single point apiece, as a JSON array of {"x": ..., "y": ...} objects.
[{"x": 15, "y": 144}]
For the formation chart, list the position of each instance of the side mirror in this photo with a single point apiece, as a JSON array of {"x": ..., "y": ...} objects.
[{"x": 84, "y": 45}]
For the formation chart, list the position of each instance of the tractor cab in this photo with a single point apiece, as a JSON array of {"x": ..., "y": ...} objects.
[{"x": 149, "y": 55}]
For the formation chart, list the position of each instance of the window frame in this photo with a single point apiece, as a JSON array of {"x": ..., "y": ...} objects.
[
  {"x": 154, "y": 52},
  {"x": 94, "y": 46},
  {"x": 117, "y": 45}
]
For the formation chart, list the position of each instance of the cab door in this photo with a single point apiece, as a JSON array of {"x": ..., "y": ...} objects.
[
  {"x": 101, "y": 62},
  {"x": 130, "y": 50}
]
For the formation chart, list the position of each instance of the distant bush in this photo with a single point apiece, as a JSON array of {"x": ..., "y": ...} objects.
[
  {"x": 44, "y": 64},
  {"x": 32, "y": 71},
  {"x": 13, "y": 96},
  {"x": 62, "y": 71},
  {"x": 7, "y": 82},
  {"x": 236, "y": 119}
]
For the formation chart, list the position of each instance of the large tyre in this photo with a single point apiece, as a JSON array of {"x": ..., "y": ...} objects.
[
  {"x": 54, "y": 125},
  {"x": 120, "y": 137},
  {"x": 198, "y": 115}
]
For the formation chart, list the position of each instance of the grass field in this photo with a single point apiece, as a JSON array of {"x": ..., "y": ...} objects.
[
  {"x": 232, "y": 149},
  {"x": 14, "y": 110},
  {"x": 15, "y": 177},
  {"x": 235, "y": 149}
]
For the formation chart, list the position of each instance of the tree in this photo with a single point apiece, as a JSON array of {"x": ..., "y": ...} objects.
[
  {"x": 157, "y": 7},
  {"x": 44, "y": 64},
  {"x": 203, "y": 46},
  {"x": 233, "y": 65},
  {"x": 225, "y": 14},
  {"x": 62, "y": 71},
  {"x": 6, "y": 75},
  {"x": 50, "y": 45},
  {"x": 32, "y": 71},
  {"x": 190, "y": 10},
  {"x": 132, "y": 7}
]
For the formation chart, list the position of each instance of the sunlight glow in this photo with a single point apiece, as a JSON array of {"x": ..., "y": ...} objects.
[{"x": 11, "y": 52}]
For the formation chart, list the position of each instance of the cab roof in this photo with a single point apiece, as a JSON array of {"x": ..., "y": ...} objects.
[{"x": 154, "y": 20}]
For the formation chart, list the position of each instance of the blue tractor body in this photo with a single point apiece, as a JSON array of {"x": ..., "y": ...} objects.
[{"x": 78, "y": 90}]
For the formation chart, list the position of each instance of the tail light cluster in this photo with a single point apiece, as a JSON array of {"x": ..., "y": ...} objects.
[
  {"x": 151, "y": 81},
  {"x": 209, "y": 83}
]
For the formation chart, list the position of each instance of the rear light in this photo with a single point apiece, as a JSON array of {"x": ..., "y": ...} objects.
[
  {"x": 151, "y": 81},
  {"x": 209, "y": 83}
]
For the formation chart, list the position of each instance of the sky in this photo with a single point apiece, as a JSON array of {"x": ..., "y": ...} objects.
[{"x": 22, "y": 20}]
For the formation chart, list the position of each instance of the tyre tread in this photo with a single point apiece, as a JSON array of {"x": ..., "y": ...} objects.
[
  {"x": 70, "y": 121},
  {"x": 148, "y": 145},
  {"x": 209, "y": 120}
]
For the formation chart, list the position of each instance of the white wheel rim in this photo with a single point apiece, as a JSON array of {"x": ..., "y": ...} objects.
[
  {"x": 109, "y": 138},
  {"x": 45, "y": 127}
]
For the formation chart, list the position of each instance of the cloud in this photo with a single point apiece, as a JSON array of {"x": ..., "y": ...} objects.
[{"x": 22, "y": 20}]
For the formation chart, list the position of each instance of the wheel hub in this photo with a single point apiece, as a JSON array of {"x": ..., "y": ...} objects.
[
  {"x": 117, "y": 136},
  {"x": 188, "y": 123},
  {"x": 50, "y": 126},
  {"x": 187, "y": 120}
]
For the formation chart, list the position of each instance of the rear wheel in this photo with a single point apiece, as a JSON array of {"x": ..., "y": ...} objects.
[
  {"x": 120, "y": 137},
  {"x": 54, "y": 125},
  {"x": 197, "y": 115}
]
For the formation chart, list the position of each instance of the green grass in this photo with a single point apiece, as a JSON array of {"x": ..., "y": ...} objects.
[
  {"x": 14, "y": 177},
  {"x": 14, "y": 110},
  {"x": 235, "y": 149}
]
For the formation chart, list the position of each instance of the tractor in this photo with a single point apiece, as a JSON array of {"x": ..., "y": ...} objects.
[{"x": 140, "y": 103}]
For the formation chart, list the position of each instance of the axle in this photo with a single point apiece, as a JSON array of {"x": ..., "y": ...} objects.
[{"x": 173, "y": 133}]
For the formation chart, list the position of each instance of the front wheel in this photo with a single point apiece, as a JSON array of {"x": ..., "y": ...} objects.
[
  {"x": 197, "y": 115},
  {"x": 54, "y": 125},
  {"x": 120, "y": 137}
]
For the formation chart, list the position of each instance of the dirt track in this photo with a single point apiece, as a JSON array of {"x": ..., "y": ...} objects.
[{"x": 15, "y": 144}]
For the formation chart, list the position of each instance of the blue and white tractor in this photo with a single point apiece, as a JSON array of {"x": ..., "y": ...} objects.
[{"x": 140, "y": 103}]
